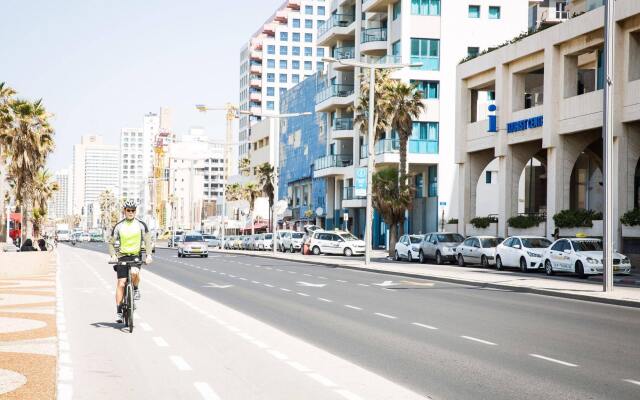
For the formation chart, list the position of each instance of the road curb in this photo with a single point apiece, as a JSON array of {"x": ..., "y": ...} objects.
[{"x": 544, "y": 292}]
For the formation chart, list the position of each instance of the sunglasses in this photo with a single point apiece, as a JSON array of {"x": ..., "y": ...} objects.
[{"x": 130, "y": 210}]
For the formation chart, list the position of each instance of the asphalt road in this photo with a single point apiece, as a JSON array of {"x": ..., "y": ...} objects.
[{"x": 443, "y": 341}]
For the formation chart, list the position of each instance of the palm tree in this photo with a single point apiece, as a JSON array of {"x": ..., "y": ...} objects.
[
  {"x": 251, "y": 193},
  {"x": 390, "y": 201},
  {"x": 233, "y": 192},
  {"x": 266, "y": 176},
  {"x": 109, "y": 210},
  {"x": 382, "y": 105},
  {"x": 43, "y": 190},
  {"x": 6, "y": 120},
  {"x": 244, "y": 167}
]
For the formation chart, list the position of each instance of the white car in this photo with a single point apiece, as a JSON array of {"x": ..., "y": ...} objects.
[
  {"x": 84, "y": 237},
  {"x": 524, "y": 252},
  {"x": 408, "y": 247},
  {"x": 337, "y": 242},
  {"x": 292, "y": 241},
  {"x": 265, "y": 242},
  {"x": 478, "y": 250},
  {"x": 280, "y": 239},
  {"x": 581, "y": 257}
]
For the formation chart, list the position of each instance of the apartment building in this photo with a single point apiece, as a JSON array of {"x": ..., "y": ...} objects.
[
  {"x": 279, "y": 55},
  {"x": 547, "y": 116},
  {"x": 438, "y": 34},
  {"x": 132, "y": 166},
  {"x": 60, "y": 204}
]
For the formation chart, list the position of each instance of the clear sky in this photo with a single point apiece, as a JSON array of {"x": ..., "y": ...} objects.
[{"x": 100, "y": 65}]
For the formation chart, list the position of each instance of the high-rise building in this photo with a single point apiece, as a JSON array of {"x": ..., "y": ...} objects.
[
  {"x": 437, "y": 34},
  {"x": 60, "y": 204},
  {"x": 277, "y": 56},
  {"x": 132, "y": 173}
]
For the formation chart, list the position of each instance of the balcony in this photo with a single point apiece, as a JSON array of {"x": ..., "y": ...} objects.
[
  {"x": 374, "y": 41},
  {"x": 269, "y": 29},
  {"x": 386, "y": 147},
  {"x": 331, "y": 165},
  {"x": 333, "y": 96},
  {"x": 281, "y": 16},
  {"x": 255, "y": 109},
  {"x": 256, "y": 44},
  {"x": 255, "y": 82},
  {"x": 256, "y": 55},
  {"x": 256, "y": 69},
  {"x": 342, "y": 128},
  {"x": 429, "y": 63},
  {"x": 343, "y": 53},
  {"x": 348, "y": 194},
  {"x": 337, "y": 27},
  {"x": 255, "y": 96},
  {"x": 376, "y": 5},
  {"x": 294, "y": 5},
  {"x": 349, "y": 200}
]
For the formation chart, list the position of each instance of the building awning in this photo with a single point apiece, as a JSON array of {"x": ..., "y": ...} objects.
[{"x": 256, "y": 226}]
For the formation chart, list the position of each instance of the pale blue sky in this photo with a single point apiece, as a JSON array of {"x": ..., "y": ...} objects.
[{"x": 100, "y": 66}]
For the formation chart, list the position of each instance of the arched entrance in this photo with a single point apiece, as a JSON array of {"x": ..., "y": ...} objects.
[{"x": 586, "y": 184}]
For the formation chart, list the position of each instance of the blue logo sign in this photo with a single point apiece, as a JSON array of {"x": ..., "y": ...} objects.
[
  {"x": 360, "y": 183},
  {"x": 493, "y": 120},
  {"x": 523, "y": 125}
]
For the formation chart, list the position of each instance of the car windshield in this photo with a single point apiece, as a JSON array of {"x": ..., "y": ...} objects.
[
  {"x": 449, "y": 237},
  {"x": 490, "y": 242},
  {"x": 348, "y": 236},
  {"x": 268, "y": 236},
  {"x": 415, "y": 239},
  {"x": 535, "y": 243},
  {"x": 587, "y": 245},
  {"x": 297, "y": 235},
  {"x": 208, "y": 237},
  {"x": 193, "y": 238}
]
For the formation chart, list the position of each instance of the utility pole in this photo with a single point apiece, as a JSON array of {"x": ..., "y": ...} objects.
[{"x": 609, "y": 44}]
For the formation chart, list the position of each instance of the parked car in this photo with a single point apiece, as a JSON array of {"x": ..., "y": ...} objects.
[
  {"x": 581, "y": 257},
  {"x": 84, "y": 237},
  {"x": 524, "y": 252},
  {"x": 408, "y": 247},
  {"x": 280, "y": 239},
  {"x": 266, "y": 241},
  {"x": 478, "y": 250},
  {"x": 292, "y": 241},
  {"x": 337, "y": 242},
  {"x": 439, "y": 246},
  {"x": 212, "y": 240},
  {"x": 192, "y": 244},
  {"x": 246, "y": 240},
  {"x": 258, "y": 241},
  {"x": 237, "y": 243},
  {"x": 173, "y": 240}
]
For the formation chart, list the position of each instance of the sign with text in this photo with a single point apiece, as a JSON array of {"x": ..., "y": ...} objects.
[
  {"x": 525, "y": 124},
  {"x": 360, "y": 183}
]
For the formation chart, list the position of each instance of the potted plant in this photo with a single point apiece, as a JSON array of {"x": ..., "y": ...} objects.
[
  {"x": 451, "y": 225},
  {"x": 631, "y": 223},
  {"x": 483, "y": 226},
  {"x": 579, "y": 222},
  {"x": 527, "y": 225}
]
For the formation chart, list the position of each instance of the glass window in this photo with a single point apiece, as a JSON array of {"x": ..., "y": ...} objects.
[
  {"x": 283, "y": 50},
  {"x": 283, "y": 78},
  {"x": 271, "y": 91},
  {"x": 488, "y": 243},
  {"x": 295, "y": 78},
  {"x": 487, "y": 177},
  {"x": 308, "y": 23},
  {"x": 271, "y": 63},
  {"x": 284, "y": 36},
  {"x": 397, "y": 6},
  {"x": 536, "y": 243},
  {"x": 295, "y": 36},
  {"x": 282, "y": 91},
  {"x": 395, "y": 48},
  {"x": 427, "y": 52},
  {"x": 419, "y": 182},
  {"x": 270, "y": 105},
  {"x": 425, "y": 7},
  {"x": 308, "y": 51},
  {"x": 283, "y": 64},
  {"x": 494, "y": 12},
  {"x": 295, "y": 50},
  {"x": 433, "y": 181},
  {"x": 295, "y": 64},
  {"x": 587, "y": 245},
  {"x": 307, "y": 65},
  {"x": 424, "y": 138},
  {"x": 308, "y": 37},
  {"x": 429, "y": 89},
  {"x": 308, "y": 9},
  {"x": 319, "y": 66},
  {"x": 271, "y": 77},
  {"x": 473, "y": 51},
  {"x": 320, "y": 52},
  {"x": 474, "y": 11},
  {"x": 449, "y": 238},
  {"x": 296, "y": 23},
  {"x": 320, "y": 10},
  {"x": 271, "y": 49}
]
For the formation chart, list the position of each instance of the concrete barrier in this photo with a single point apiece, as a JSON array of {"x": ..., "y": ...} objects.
[{"x": 16, "y": 264}]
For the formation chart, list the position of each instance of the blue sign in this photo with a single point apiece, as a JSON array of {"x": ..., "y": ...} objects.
[
  {"x": 360, "y": 183},
  {"x": 522, "y": 125},
  {"x": 443, "y": 203},
  {"x": 493, "y": 120}
]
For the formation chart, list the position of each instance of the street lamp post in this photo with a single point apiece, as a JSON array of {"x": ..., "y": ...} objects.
[
  {"x": 368, "y": 234},
  {"x": 610, "y": 26}
]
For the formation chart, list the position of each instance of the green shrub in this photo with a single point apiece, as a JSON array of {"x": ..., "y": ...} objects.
[
  {"x": 483, "y": 222},
  {"x": 631, "y": 217},
  {"x": 525, "y": 221},
  {"x": 453, "y": 221},
  {"x": 576, "y": 218}
]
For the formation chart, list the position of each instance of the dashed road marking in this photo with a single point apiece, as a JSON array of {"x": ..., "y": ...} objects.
[
  {"x": 352, "y": 307},
  {"x": 297, "y": 366},
  {"x": 302, "y": 294},
  {"x": 321, "y": 379},
  {"x": 206, "y": 391},
  {"x": 385, "y": 315},
  {"x": 424, "y": 326},
  {"x": 160, "y": 342},
  {"x": 180, "y": 363},
  {"x": 347, "y": 394},
  {"x": 285, "y": 290},
  {"x": 268, "y": 285},
  {"x": 362, "y": 284},
  {"x": 553, "y": 360},
  {"x": 478, "y": 340},
  {"x": 325, "y": 300},
  {"x": 341, "y": 281},
  {"x": 632, "y": 381},
  {"x": 277, "y": 355},
  {"x": 145, "y": 327}
]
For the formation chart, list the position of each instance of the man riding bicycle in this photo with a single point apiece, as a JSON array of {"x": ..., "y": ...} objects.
[{"x": 129, "y": 233}]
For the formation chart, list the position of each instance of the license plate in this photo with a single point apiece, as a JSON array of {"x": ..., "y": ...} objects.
[
  {"x": 616, "y": 268},
  {"x": 196, "y": 250}
]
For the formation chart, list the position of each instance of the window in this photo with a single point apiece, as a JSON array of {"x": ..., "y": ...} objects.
[
  {"x": 419, "y": 182},
  {"x": 283, "y": 78},
  {"x": 307, "y": 65},
  {"x": 320, "y": 52},
  {"x": 283, "y": 50},
  {"x": 295, "y": 78},
  {"x": 320, "y": 10},
  {"x": 282, "y": 91},
  {"x": 433, "y": 181},
  {"x": 491, "y": 95},
  {"x": 295, "y": 64},
  {"x": 271, "y": 91},
  {"x": 319, "y": 66},
  {"x": 308, "y": 9},
  {"x": 474, "y": 11},
  {"x": 494, "y": 12},
  {"x": 271, "y": 49},
  {"x": 487, "y": 177},
  {"x": 296, "y": 23},
  {"x": 308, "y": 23},
  {"x": 295, "y": 36},
  {"x": 429, "y": 89},
  {"x": 295, "y": 50},
  {"x": 424, "y": 138},
  {"x": 284, "y": 36},
  {"x": 425, "y": 7},
  {"x": 308, "y": 37},
  {"x": 271, "y": 63},
  {"x": 473, "y": 51},
  {"x": 427, "y": 52},
  {"x": 271, "y": 77},
  {"x": 397, "y": 7},
  {"x": 283, "y": 64},
  {"x": 270, "y": 105},
  {"x": 308, "y": 51}
]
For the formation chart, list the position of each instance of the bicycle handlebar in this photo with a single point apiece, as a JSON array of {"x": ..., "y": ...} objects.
[{"x": 125, "y": 262}]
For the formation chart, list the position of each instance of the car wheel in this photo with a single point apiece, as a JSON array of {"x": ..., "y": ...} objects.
[
  {"x": 580, "y": 270},
  {"x": 348, "y": 252},
  {"x": 179, "y": 255},
  {"x": 523, "y": 265},
  {"x": 460, "y": 260},
  {"x": 396, "y": 256},
  {"x": 206, "y": 256},
  {"x": 548, "y": 268},
  {"x": 409, "y": 257},
  {"x": 201, "y": 255},
  {"x": 499, "y": 265},
  {"x": 438, "y": 258},
  {"x": 316, "y": 250},
  {"x": 291, "y": 248},
  {"x": 484, "y": 261},
  {"x": 421, "y": 257}
]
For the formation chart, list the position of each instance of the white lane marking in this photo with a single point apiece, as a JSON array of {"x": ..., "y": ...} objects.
[
  {"x": 246, "y": 336},
  {"x": 277, "y": 355},
  {"x": 279, "y": 270},
  {"x": 321, "y": 379},
  {"x": 160, "y": 342},
  {"x": 297, "y": 366},
  {"x": 243, "y": 279},
  {"x": 325, "y": 300},
  {"x": 301, "y": 283},
  {"x": 362, "y": 284},
  {"x": 302, "y": 294},
  {"x": 268, "y": 285},
  {"x": 232, "y": 276},
  {"x": 285, "y": 290},
  {"x": 352, "y": 307},
  {"x": 222, "y": 273},
  {"x": 256, "y": 282},
  {"x": 269, "y": 268},
  {"x": 307, "y": 274},
  {"x": 233, "y": 328},
  {"x": 65, "y": 391},
  {"x": 65, "y": 373},
  {"x": 567, "y": 364},
  {"x": 347, "y": 394},
  {"x": 479, "y": 340},
  {"x": 322, "y": 277},
  {"x": 259, "y": 344},
  {"x": 423, "y": 325},
  {"x": 385, "y": 315},
  {"x": 341, "y": 281},
  {"x": 180, "y": 363},
  {"x": 205, "y": 391},
  {"x": 632, "y": 381}
]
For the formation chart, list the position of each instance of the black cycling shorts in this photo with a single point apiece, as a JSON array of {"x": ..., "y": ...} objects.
[{"x": 121, "y": 270}]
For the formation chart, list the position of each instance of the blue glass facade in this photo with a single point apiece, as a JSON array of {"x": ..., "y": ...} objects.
[{"x": 302, "y": 140}]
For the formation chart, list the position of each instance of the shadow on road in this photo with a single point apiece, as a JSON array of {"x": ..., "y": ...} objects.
[{"x": 114, "y": 325}]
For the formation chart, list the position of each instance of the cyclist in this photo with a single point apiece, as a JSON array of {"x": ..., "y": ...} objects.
[{"x": 129, "y": 232}]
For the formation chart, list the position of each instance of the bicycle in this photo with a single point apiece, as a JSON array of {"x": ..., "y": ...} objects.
[{"x": 128, "y": 303}]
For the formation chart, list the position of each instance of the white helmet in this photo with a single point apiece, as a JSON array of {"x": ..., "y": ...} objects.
[{"x": 130, "y": 204}]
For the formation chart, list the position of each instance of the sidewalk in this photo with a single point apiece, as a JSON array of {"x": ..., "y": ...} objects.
[
  {"x": 531, "y": 283},
  {"x": 28, "y": 342}
]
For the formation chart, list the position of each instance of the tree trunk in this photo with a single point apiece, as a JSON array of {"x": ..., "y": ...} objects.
[
  {"x": 393, "y": 238},
  {"x": 402, "y": 172}
]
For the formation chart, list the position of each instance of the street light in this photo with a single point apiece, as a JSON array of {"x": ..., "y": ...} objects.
[{"x": 368, "y": 234}]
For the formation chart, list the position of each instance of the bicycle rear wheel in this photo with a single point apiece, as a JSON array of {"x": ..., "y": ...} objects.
[{"x": 130, "y": 307}]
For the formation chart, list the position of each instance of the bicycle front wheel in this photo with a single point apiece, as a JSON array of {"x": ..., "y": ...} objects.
[{"x": 131, "y": 308}]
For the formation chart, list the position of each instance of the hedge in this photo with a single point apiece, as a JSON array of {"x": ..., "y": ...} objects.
[
  {"x": 576, "y": 218},
  {"x": 483, "y": 222},
  {"x": 452, "y": 221},
  {"x": 525, "y": 221},
  {"x": 631, "y": 217}
]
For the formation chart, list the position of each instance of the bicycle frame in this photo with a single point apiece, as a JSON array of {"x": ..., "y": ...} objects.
[{"x": 128, "y": 303}]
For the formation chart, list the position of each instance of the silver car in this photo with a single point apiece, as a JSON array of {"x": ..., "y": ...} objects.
[
  {"x": 292, "y": 241},
  {"x": 478, "y": 250},
  {"x": 439, "y": 246},
  {"x": 192, "y": 244},
  {"x": 212, "y": 240}
]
